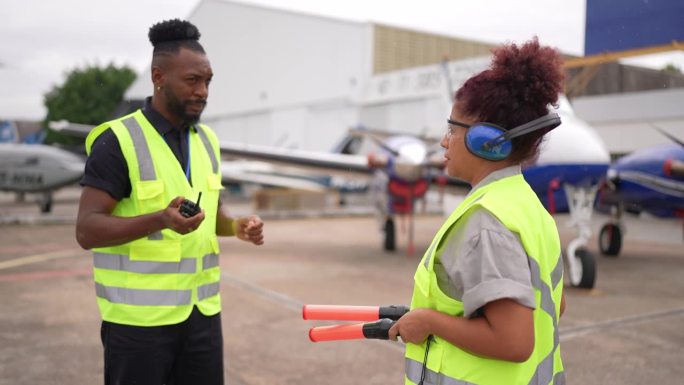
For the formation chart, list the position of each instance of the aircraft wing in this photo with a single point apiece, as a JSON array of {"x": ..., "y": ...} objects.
[
  {"x": 329, "y": 163},
  {"x": 348, "y": 166},
  {"x": 383, "y": 135},
  {"x": 264, "y": 174},
  {"x": 74, "y": 129}
]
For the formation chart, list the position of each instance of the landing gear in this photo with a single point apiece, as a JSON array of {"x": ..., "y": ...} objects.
[
  {"x": 45, "y": 203},
  {"x": 610, "y": 236},
  {"x": 390, "y": 244},
  {"x": 610, "y": 239},
  {"x": 582, "y": 267},
  {"x": 581, "y": 262}
]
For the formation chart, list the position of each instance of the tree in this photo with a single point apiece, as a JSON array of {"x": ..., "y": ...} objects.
[
  {"x": 88, "y": 96},
  {"x": 672, "y": 68}
]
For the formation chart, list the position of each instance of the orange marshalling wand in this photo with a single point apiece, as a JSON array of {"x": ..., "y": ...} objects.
[
  {"x": 353, "y": 313},
  {"x": 384, "y": 317}
]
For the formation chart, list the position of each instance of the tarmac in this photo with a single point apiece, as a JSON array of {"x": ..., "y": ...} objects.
[{"x": 629, "y": 329}]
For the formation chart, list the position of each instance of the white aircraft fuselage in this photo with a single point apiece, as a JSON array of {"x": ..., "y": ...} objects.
[{"x": 28, "y": 168}]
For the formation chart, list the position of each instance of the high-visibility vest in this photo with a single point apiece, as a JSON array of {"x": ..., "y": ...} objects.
[
  {"x": 156, "y": 280},
  {"x": 513, "y": 202}
]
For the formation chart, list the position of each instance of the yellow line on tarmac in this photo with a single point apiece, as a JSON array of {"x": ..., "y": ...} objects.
[{"x": 38, "y": 258}]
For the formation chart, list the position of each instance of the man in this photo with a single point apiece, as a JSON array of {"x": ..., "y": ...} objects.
[{"x": 156, "y": 266}]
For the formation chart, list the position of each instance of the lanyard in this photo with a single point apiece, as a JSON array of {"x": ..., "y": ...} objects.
[{"x": 187, "y": 164}]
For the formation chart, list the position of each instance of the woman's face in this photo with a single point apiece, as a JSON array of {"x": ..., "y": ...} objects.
[{"x": 458, "y": 160}]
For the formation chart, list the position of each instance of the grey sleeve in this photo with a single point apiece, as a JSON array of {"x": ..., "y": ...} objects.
[{"x": 487, "y": 263}]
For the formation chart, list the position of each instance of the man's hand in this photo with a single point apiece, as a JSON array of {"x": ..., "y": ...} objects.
[
  {"x": 250, "y": 229},
  {"x": 173, "y": 219}
]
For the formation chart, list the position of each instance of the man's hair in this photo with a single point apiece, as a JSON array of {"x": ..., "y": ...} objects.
[{"x": 167, "y": 37}]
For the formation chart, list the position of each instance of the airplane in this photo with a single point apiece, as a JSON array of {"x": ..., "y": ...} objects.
[
  {"x": 400, "y": 172},
  {"x": 648, "y": 180},
  {"x": 572, "y": 162},
  {"x": 37, "y": 168}
]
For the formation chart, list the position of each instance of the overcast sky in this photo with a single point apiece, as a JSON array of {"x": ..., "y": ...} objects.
[{"x": 42, "y": 40}]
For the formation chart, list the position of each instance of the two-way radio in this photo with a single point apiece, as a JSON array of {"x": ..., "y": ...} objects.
[{"x": 189, "y": 208}]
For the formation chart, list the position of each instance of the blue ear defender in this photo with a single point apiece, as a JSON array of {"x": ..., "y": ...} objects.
[
  {"x": 491, "y": 142},
  {"x": 478, "y": 141}
]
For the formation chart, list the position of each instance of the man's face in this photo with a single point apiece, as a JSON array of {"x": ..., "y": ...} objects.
[{"x": 186, "y": 86}]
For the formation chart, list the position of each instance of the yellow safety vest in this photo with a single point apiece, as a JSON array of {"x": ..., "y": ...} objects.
[
  {"x": 156, "y": 280},
  {"x": 514, "y": 203}
]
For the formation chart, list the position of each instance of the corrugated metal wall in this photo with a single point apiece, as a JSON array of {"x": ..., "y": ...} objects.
[
  {"x": 397, "y": 48},
  {"x": 612, "y": 78}
]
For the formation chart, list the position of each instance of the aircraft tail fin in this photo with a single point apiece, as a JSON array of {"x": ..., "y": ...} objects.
[{"x": 8, "y": 132}]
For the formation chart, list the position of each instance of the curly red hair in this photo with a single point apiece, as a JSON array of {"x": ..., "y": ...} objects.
[{"x": 517, "y": 87}]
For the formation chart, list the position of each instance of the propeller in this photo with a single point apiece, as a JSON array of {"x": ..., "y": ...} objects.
[
  {"x": 672, "y": 167},
  {"x": 668, "y": 135},
  {"x": 382, "y": 145}
]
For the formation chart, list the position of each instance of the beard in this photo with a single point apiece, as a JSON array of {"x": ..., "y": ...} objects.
[{"x": 180, "y": 107}]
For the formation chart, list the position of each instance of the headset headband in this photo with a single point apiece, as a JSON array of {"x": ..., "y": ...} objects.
[{"x": 551, "y": 120}]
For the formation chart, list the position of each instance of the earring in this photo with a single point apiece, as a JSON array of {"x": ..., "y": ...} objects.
[{"x": 158, "y": 88}]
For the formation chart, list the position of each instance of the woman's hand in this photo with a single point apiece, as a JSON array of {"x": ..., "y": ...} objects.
[{"x": 413, "y": 327}]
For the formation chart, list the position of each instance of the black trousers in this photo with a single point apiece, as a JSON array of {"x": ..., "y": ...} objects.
[{"x": 188, "y": 353}]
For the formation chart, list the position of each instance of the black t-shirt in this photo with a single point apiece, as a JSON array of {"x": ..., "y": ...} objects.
[{"x": 106, "y": 167}]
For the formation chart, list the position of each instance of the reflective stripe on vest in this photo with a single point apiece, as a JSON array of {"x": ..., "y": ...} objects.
[
  {"x": 414, "y": 371},
  {"x": 208, "y": 290},
  {"x": 209, "y": 261},
  {"x": 145, "y": 163},
  {"x": 544, "y": 372},
  {"x": 210, "y": 150},
  {"x": 144, "y": 297},
  {"x": 123, "y": 262}
]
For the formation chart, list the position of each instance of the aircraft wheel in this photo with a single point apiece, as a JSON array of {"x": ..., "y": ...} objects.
[
  {"x": 389, "y": 235},
  {"x": 46, "y": 203},
  {"x": 585, "y": 276},
  {"x": 610, "y": 239},
  {"x": 582, "y": 272}
]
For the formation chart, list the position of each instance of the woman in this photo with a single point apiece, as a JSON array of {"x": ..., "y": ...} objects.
[{"x": 488, "y": 292}]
